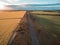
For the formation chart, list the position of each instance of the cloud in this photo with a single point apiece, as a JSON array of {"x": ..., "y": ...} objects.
[
  {"x": 12, "y": 1},
  {"x": 2, "y": 5},
  {"x": 18, "y": 2},
  {"x": 9, "y": 2},
  {"x": 2, "y": 2}
]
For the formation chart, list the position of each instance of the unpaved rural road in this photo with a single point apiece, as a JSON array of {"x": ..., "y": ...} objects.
[{"x": 32, "y": 30}]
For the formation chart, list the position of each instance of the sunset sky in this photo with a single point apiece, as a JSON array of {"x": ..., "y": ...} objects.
[
  {"x": 29, "y": 1},
  {"x": 18, "y": 2}
]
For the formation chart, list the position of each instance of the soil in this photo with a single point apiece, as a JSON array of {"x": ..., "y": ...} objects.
[{"x": 23, "y": 33}]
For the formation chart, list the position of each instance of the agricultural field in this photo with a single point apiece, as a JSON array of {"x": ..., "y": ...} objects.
[
  {"x": 9, "y": 20},
  {"x": 23, "y": 36},
  {"x": 47, "y": 26}
]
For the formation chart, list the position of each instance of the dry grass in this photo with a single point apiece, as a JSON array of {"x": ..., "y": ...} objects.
[
  {"x": 23, "y": 36},
  {"x": 47, "y": 27},
  {"x": 43, "y": 12},
  {"x": 7, "y": 25}
]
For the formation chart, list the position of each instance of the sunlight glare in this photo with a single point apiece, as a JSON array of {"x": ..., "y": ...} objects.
[{"x": 3, "y": 6}]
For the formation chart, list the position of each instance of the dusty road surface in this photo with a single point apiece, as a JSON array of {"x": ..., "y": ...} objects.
[
  {"x": 8, "y": 22},
  {"x": 25, "y": 33},
  {"x": 32, "y": 30}
]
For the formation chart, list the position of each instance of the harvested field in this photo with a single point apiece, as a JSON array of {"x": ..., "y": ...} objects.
[
  {"x": 23, "y": 33},
  {"x": 9, "y": 20}
]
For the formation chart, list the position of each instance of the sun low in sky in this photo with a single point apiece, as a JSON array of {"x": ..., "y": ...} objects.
[{"x": 3, "y": 3}]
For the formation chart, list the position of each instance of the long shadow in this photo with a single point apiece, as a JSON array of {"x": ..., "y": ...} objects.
[
  {"x": 52, "y": 37},
  {"x": 48, "y": 24}
]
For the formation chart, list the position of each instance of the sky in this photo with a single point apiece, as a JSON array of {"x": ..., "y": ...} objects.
[
  {"x": 29, "y": 1},
  {"x": 18, "y": 2}
]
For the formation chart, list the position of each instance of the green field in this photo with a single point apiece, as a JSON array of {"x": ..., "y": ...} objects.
[{"x": 50, "y": 22}]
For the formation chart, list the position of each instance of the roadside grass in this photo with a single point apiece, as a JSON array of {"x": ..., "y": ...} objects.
[
  {"x": 50, "y": 23},
  {"x": 23, "y": 36}
]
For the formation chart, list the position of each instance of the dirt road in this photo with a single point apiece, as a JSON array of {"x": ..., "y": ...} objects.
[{"x": 32, "y": 30}]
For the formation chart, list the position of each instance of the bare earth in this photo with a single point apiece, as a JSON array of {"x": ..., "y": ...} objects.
[{"x": 8, "y": 22}]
